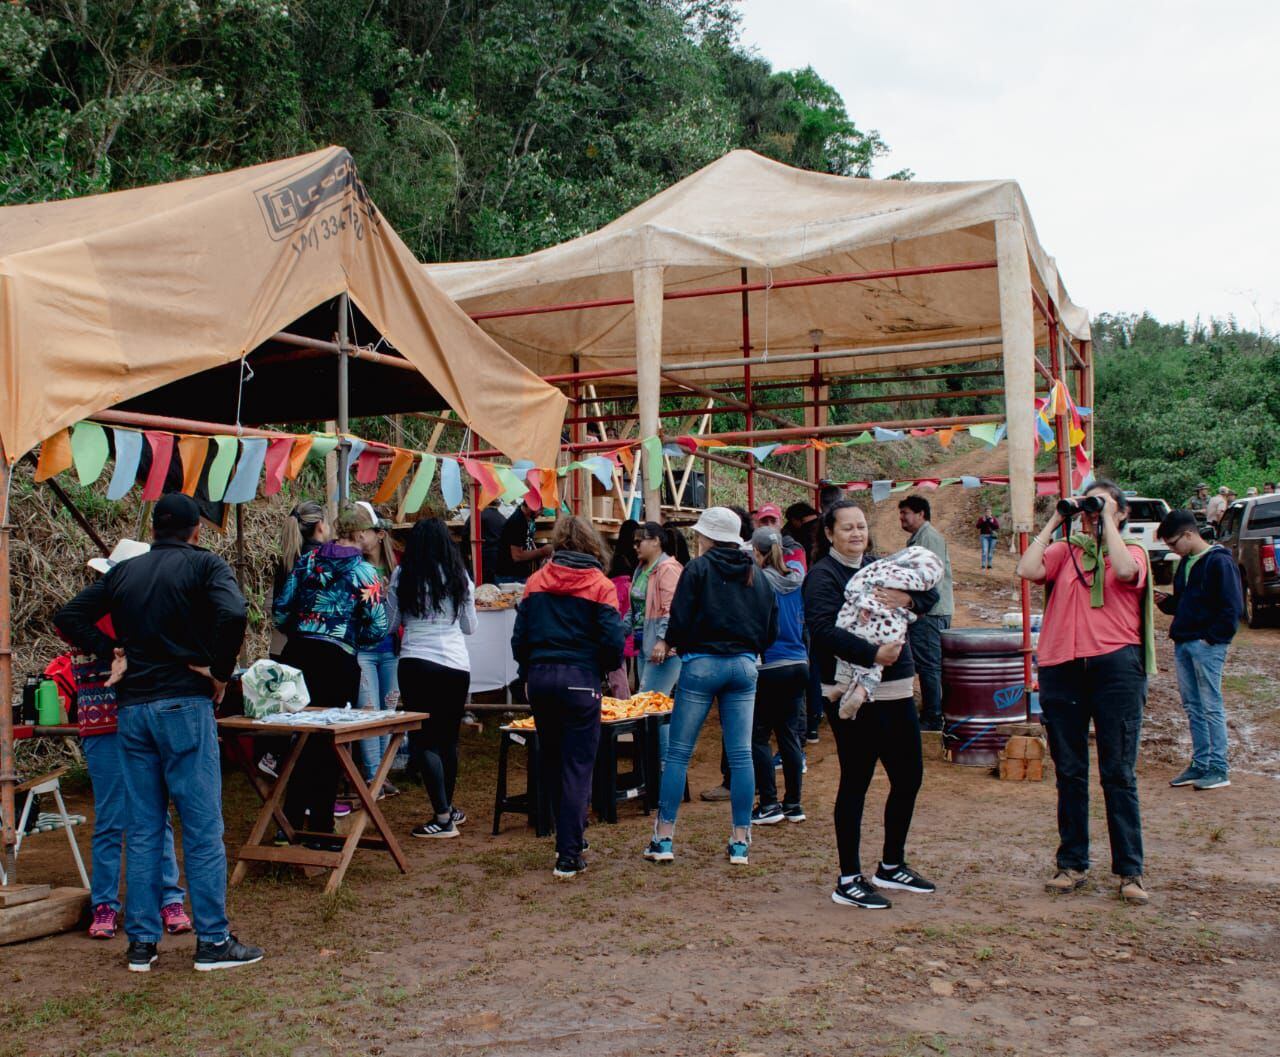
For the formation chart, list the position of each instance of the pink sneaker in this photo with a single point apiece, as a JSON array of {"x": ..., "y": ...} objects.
[
  {"x": 175, "y": 919},
  {"x": 341, "y": 809},
  {"x": 105, "y": 921}
]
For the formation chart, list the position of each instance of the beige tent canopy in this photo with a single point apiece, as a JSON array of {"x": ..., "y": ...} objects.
[
  {"x": 900, "y": 274},
  {"x": 113, "y": 296},
  {"x": 780, "y": 224}
]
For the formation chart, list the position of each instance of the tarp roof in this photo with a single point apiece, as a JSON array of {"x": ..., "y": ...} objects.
[
  {"x": 778, "y": 222},
  {"x": 109, "y": 297}
]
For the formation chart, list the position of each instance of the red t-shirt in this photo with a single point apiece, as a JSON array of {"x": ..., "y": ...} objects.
[{"x": 1072, "y": 628}]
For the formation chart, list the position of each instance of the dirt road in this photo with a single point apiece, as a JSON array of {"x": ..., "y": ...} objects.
[{"x": 479, "y": 951}]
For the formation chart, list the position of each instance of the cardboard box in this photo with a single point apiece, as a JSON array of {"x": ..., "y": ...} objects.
[
  {"x": 1013, "y": 770},
  {"x": 602, "y": 507},
  {"x": 1035, "y": 770}
]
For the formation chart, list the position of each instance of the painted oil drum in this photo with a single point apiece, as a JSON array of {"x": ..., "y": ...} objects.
[{"x": 982, "y": 692}]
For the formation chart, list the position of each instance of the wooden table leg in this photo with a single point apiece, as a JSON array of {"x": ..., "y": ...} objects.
[
  {"x": 371, "y": 812},
  {"x": 260, "y": 785},
  {"x": 270, "y": 808}
]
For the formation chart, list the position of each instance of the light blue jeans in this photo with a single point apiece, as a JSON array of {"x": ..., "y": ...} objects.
[
  {"x": 731, "y": 681},
  {"x": 169, "y": 750},
  {"x": 1200, "y": 667},
  {"x": 988, "y": 550},
  {"x": 110, "y": 815},
  {"x": 377, "y": 679}
]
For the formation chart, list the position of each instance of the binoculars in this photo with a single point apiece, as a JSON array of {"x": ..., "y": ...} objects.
[{"x": 1086, "y": 504}]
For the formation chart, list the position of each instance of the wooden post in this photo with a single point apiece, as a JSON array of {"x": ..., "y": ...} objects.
[
  {"x": 8, "y": 770},
  {"x": 647, "y": 285}
]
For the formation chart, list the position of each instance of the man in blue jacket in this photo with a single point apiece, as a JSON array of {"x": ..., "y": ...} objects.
[{"x": 1206, "y": 606}]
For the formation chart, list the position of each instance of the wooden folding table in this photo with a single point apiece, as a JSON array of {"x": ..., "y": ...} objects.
[{"x": 395, "y": 724}]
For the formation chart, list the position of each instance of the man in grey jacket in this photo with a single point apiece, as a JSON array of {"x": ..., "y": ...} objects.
[{"x": 925, "y": 634}]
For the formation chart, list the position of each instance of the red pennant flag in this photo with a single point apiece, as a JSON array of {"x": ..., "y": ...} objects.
[
  {"x": 486, "y": 479},
  {"x": 923, "y": 432},
  {"x": 543, "y": 482},
  {"x": 787, "y": 449},
  {"x": 277, "y": 463},
  {"x": 161, "y": 445},
  {"x": 928, "y": 482},
  {"x": 367, "y": 465}
]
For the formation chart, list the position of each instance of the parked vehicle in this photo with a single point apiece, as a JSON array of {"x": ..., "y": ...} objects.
[
  {"x": 1250, "y": 529},
  {"x": 1145, "y": 515}
]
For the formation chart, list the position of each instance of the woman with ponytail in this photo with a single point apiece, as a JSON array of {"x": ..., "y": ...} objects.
[{"x": 303, "y": 531}]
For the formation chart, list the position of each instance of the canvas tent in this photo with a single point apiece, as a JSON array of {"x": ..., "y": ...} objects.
[
  {"x": 781, "y": 224},
  {"x": 110, "y": 297}
]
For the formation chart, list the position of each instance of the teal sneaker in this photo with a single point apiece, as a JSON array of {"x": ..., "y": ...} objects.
[
  {"x": 738, "y": 852},
  {"x": 660, "y": 850},
  {"x": 1188, "y": 777},
  {"x": 1212, "y": 780}
]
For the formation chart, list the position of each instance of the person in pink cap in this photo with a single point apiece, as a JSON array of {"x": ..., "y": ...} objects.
[{"x": 769, "y": 516}]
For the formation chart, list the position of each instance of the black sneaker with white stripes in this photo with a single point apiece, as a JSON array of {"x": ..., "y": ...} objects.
[
  {"x": 902, "y": 878},
  {"x": 857, "y": 893}
]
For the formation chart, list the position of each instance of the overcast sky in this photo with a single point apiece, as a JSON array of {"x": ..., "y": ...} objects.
[{"x": 1145, "y": 135}]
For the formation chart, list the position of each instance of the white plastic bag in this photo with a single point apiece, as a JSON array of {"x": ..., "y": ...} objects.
[{"x": 271, "y": 687}]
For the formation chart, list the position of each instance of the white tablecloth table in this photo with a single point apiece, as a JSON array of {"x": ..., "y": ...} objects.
[{"x": 492, "y": 666}]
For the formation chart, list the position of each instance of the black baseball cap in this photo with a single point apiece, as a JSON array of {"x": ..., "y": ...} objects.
[{"x": 175, "y": 512}]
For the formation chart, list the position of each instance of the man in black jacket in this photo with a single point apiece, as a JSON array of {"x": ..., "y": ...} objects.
[
  {"x": 1206, "y": 606},
  {"x": 179, "y": 619}
]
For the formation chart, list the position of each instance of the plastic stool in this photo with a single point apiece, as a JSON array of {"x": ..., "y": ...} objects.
[
  {"x": 533, "y": 802},
  {"x": 612, "y": 788}
]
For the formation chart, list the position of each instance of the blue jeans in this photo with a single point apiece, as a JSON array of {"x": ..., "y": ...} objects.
[
  {"x": 377, "y": 679},
  {"x": 988, "y": 550},
  {"x": 658, "y": 678},
  {"x": 169, "y": 750},
  {"x": 732, "y": 681},
  {"x": 1200, "y": 683},
  {"x": 110, "y": 813}
]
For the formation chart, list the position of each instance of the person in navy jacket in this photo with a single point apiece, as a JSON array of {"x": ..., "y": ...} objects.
[{"x": 1206, "y": 606}]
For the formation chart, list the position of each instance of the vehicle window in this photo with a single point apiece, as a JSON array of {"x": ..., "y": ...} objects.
[
  {"x": 1146, "y": 510},
  {"x": 1230, "y": 520},
  {"x": 1264, "y": 516}
]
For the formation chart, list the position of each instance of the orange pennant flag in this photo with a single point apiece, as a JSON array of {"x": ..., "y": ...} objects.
[
  {"x": 545, "y": 482},
  {"x": 192, "y": 451},
  {"x": 301, "y": 449},
  {"x": 819, "y": 445},
  {"x": 628, "y": 460},
  {"x": 55, "y": 455},
  {"x": 708, "y": 443},
  {"x": 945, "y": 436},
  {"x": 400, "y": 463}
]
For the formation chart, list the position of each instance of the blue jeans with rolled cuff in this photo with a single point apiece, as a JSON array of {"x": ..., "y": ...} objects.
[
  {"x": 1200, "y": 667},
  {"x": 169, "y": 751}
]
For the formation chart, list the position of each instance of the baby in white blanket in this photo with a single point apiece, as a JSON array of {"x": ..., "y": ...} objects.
[{"x": 911, "y": 569}]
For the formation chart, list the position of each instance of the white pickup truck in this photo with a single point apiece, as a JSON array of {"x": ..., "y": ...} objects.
[{"x": 1145, "y": 515}]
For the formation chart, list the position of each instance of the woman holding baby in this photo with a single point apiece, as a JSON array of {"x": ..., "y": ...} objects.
[{"x": 885, "y": 728}]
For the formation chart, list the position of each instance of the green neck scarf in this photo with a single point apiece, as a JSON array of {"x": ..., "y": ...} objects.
[{"x": 1093, "y": 556}]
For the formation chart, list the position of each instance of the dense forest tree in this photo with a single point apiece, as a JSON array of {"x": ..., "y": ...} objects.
[
  {"x": 1180, "y": 403},
  {"x": 483, "y": 127}
]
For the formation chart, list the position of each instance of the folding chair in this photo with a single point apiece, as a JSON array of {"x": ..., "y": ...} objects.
[{"x": 46, "y": 821}]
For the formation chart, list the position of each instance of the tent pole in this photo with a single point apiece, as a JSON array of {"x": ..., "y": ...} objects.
[
  {"x": 477, "y": 540},
  {"x": 1017, "y": 327},
  {"x": 1061, "y": 437},
  {"x": 344, "y": 395},
  {"x": 818, "y": 401},
  {"x": 575, "y": 435},
  {"x": 1086, "y": 395},
  {"x": 8, "y": 771},
  {"x": 746, "y": 389},
  {"x": 647, "y": 287}
]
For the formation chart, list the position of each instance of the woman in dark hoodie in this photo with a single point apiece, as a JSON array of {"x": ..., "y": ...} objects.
[
  {"x": 331, "y": 605},
  {"x": 885, "y": 729},
  {"x": 568, "y": 634},
  {"x": 723, "y": 616}
]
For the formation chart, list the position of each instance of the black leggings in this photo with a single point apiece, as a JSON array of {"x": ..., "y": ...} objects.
[
  {"x": 429, "y": 687},
  {"x": 780, "y": 711},
  {"x": 333, "y": 680},
  {"x": 888, "y": 731}
]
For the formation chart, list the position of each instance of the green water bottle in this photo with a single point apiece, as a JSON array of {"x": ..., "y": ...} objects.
[{"x": 49, "y": 704}]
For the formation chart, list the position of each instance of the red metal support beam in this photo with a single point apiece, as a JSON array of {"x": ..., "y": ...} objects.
[
  {"x": 746, "y": 385},
  {"x": 741, "y": 288}
]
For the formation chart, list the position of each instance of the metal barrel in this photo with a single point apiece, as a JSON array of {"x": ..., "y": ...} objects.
[{"x": 982, "y": 692}]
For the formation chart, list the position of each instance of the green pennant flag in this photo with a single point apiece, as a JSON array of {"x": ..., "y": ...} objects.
[
  {"x": 512, "y": 487},
  {"x": 321, "y": 445},
  {"x": 863, "y": 438},
  {"x": 948, "y": 480},
  {"x": 417, "y": 493},
  {"x": 652, "y": 462},
  {"x": 985, "y": 432},
  {"x": 89, "y": 451},
  {"x": 220, "y": 469}
]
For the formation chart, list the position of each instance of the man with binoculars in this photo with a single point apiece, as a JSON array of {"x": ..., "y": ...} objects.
[{"x": 1096, "y": 650}]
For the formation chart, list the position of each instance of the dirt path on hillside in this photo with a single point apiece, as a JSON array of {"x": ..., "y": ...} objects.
[{"x": 478, "y": 951}]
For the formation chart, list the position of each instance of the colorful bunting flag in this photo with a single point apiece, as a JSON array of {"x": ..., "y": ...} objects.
[
  {"x": 276, "y": 464},
  {"x": 301, "y": 449},
  {"x": 161, "y": 445},
  {"x": 55, "y": 456},
  {"x": 417, "y": 493},
  {"x": 880, "y": 490},
  {"x": 985, "y": 432},
  {"x": 401, "y": 463},
  {"x": 89, "y": 450},
  {"x": 192, "y": 451},
  {"x": 224, "y": 461},
  {"x": 368, "y": 465},
  {"x": 244, "y": 485},
  {"x": 652, "y": 462},
  {"x": 128, "y": 446},
  {"x": 450, "y": 483}
]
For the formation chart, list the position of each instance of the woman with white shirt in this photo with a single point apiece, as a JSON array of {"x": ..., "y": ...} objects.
[{"x": 435, "y": 603}]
